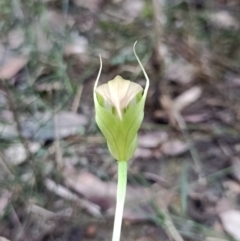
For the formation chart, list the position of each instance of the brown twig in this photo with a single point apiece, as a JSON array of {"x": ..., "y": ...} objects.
[
  {"x": 158, "y": 26},
  {"x": 77, "y": 98}
]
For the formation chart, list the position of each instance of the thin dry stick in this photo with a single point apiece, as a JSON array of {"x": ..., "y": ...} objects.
[
  {"x": 14, "y": 110},
  {"x": 161, "y": 58},
  {"x": 6, "y": 168},
  {"x": 58, "y": 150},
  {"x": 76, "y": 101},
  {"x": 158, "y": 25},
  {"x": 182, "y": 124},
  {"x": 171, "y": 229},
  {"x": 63, "y": 192},
  {"x": 20, "y": 233}
]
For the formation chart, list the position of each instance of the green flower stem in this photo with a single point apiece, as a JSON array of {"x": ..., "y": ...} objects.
[{"x": 121, "y": 194}]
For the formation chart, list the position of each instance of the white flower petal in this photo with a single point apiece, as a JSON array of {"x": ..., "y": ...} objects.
[{"x": 119, "y": 92}]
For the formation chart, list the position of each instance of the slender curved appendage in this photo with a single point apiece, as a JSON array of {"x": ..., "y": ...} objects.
[
  {"x": 99, "y": 73},
  {"x": 144, "y": 72},
  {"x": 121, "y": 194}
]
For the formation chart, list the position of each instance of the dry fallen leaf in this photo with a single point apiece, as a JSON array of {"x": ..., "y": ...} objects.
[
  {"x": 181, "y": 72},
  {"x": 174, "y": 107},
  {"x": 223, "y": 205},
  {"x": 174, "y": 147},
  {"x": 152, "y": 140},
  {"x": 196, "y": 118},
  {"x": 8, "y": 132},
  {"x": 233, "y": 186},
  {"x": 10, "y": 63},
  {"x": 234, "y": 81},
  {"x": 78, "y": 45},
  {"x": 63, "y": 192},
  {"x": 16, "y": 153},
  {"x": 231, "y": 222},
  {"x": 223, "y": 19},
  {"x": 157, "y": 143},
  {"x": 143, "y": 153},
  {"x": 46, "y": 126},
  {"x": 148, "y": 144},
  {"x": 4, "y": 239},
  {"x": 138, "y": 199},
  {"x": 132, "y": 9},
  {"x": 91, "y": 187},
  {"x": 68, "y": 123},
  {"x": 12, "y": 67},
  {"x": 186, "y": 98}
]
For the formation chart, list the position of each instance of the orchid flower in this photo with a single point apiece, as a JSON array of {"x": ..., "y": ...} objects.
[{"x": 119, "y": 106}]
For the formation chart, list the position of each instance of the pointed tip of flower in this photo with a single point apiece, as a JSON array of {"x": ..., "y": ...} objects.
[
  {"x": 135, "y": 44},
  {"x": 99, "y": 73},
  {"x": 144, "y": 72}
]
